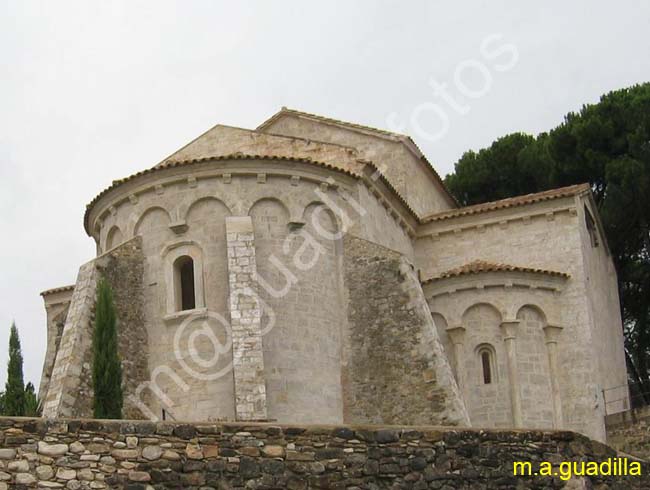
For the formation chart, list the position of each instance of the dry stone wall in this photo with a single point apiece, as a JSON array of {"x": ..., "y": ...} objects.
[
  {"x": 629, "y": 431},
  {"x": 93, "y": 454}
]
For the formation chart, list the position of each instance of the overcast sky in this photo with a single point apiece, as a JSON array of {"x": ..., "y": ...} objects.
[{"x": 94, "y": 91}]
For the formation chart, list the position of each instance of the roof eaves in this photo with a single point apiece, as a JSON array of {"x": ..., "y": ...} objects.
[
  {"x": 481, "y": 267},
  {"x": 61, "y": 289},
  {"x": 509, "y": 202},
  {"x": 173, "y": 164},
  {"x": 377, "y": 171}
]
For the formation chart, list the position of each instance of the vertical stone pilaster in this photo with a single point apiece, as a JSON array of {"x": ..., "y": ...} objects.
[
  {"x": 551, "y": 334},
  {"x": 457, "y": 336},
  {"x": 245, "y": 321},
  {"x": 509, "y": 329}
]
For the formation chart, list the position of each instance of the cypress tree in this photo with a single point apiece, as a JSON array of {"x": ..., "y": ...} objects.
[
  {"x": 107, "y": 370},
  {"x": 32, "y": 405},
  {"x": 14, "y": 397}
]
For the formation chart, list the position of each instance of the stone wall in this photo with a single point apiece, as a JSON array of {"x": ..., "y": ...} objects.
[
  {"x": 70, "y": 392},
  {"x": 92, "y": 454},
  {"x": 67, "y": 388},
  {"x": 548, "y": 235},
  {"x": 123, "y": 268},
  {"x": 57, "y": 304},
  {"x": 630, "y": 431},
  {"x": 396, "y": 369},
  {"x": 402, "y": 163},
  {"x": 245, "y": 321}
]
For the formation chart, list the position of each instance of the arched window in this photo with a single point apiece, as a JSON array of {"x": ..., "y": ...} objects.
[
  {"x": 487, "y": 369},
  {"x": 488, "y": 366},
  {"x": 184, "y": 283},
  {"x": 114, "y": 238}
]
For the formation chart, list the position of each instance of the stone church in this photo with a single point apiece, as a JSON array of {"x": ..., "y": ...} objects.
[{"x": 318, "y": 271}]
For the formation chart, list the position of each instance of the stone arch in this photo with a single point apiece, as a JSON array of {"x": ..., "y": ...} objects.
[
  {"x": 97, "y": 236},
  {"x": 532, "y": 308},
  {"x": 533, "y": 368},
  {"x": 114, "y": 237},
  {"x": 439, "y": 319},
  {"x": 487, "y": 355},
  {"x": 259, "y": 197},
  {"x": 482, "y": 304},
  {"x": 171, "y": 254},
  {"x": 206, "y": 217},
  {"x": 201, "y": 206},
  {"x": 320, "y": 218},
  {"x": 488, "y": 403},
  {"x": 270, "y": 218},
  {"x": 152, "y": 218}
]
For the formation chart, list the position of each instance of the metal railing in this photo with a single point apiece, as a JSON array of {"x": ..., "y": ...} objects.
[{"x": 625, "y": 397}]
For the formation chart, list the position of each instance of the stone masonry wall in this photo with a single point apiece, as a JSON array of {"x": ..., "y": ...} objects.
[
  {"x": 67, "y": 384},
  {"x": 123, "y": 268},
  {"x": 630, "y": 431},
  {"x": 70, "y": 392},
  {"x": 245, "y": 318},
  {"x": 397, "y": 371},
  {"x": 93, "y": 454},
  {"x": 56, "y": 317}
]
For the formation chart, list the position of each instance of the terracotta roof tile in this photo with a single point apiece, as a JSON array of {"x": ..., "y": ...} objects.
[
  {"x": 509, "y": 203},
  {"x": 174, "y": 164},
  {"x": 57, "y": 290},
  {"x": 480, "y": 266}
]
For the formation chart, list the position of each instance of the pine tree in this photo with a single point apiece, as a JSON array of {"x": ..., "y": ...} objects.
[
  {"x": 14, "y": 397},
  {"x": 32, "y": 405},
  {"x": 107, "y": 370}
]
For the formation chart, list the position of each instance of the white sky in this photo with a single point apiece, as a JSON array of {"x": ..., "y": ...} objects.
[{"x": 94, "y": 91}]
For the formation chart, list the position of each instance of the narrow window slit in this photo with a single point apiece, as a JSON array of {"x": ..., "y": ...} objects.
[
  {"x": 487, "y": 369},
  {"x": 186, "y": 294}
]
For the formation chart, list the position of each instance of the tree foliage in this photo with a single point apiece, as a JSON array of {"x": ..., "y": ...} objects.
[
  {"x": 32, "y": 404},
  {"x": 14, "y": 396},
  {"x": 608, "y": 145},
  {"x": 107, "y": 370}
]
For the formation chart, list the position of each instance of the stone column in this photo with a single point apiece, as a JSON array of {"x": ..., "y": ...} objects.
[
  {"x": 551, "y": 334},
  {"x": 509, "y": 328},
  {"x": 245, "y": 321},
  {"x": 457, "y": 337}
]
